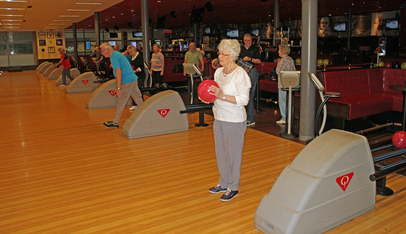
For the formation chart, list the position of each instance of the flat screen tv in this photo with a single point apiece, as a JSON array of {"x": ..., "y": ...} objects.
[
  {"x": 255, "y": 31},
  {"x": 340, "y": 27},
  {"x": 134, "y": 43},
  {"x": 88, "y": 46},
  {"x": 391, "y": 24},
  {"x": 207, "y": 30},
  {"x": 232, "y": 33},
  {"x": 137, "y": 34},
  {"x": 113, "y": 35},
  {"x": 112, "y": 43}
]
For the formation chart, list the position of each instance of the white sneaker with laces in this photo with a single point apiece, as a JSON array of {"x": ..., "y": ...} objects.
[
  {"x": 281, "y": 121},
  {"x": 133, "y": 108}
]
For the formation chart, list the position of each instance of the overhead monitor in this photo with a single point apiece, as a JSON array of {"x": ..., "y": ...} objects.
[
  {"x": 134, "y": 43},
  {"x": 113, "y": 35},
  {"x": 207, "y": 30},
  {"x": 391, "y": 24},
  {"x": 137, "y": 34},
  {"x": 255, "y": 31},
  {"x": 112, "y": 43},
  {"x": 232, "y": 33},
  {"x": 88, "y": 45},
  {"x": 340, "y": 27}
]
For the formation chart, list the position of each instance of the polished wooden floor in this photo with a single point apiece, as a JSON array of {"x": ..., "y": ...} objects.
[{"x": 62, "y": 171}]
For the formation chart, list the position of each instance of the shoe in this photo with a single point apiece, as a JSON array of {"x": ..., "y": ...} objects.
[
  {"x": 133, "y": 108},
  {"x": 217, "y": 189},
  {"x": 62, "y": 85},
  {"x": 111, "y": 124},
  {"x": 281, "y": 121},
  {"x": 249, "y": 123},
  {"x": 229, "y": 195}
]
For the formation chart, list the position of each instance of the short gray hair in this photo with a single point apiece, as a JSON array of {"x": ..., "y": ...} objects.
[
  {"x": 131, "y": 48},
  {"x": 248, "y": 35},
  {"x": 284, "y": 48},
  {"x": 232, "y": 45},
  {"x": 106, "y": 45}
]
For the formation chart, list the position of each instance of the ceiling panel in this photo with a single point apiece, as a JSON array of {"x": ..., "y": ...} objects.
[{"x": 120, "y": 13}]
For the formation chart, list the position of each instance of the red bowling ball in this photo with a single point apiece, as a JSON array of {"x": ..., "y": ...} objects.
[
  {"x": 203, "y": 90},
  {"x": 399, "y": 139}
]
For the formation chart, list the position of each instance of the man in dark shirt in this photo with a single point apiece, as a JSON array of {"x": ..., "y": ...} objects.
[{"x": 250, "y": 53}]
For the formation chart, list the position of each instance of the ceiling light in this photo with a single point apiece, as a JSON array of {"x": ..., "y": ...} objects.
[
  {"x": 89, "y": 3},
  {"x": 10, "y": 20},
  {"x": 69, "y": 16},
  {"x": 56, "y": 24},
  {"x": 77, "y": 10},
  {"x": 12, "y": 15},
  {"x": 13, "y": 9},
  {"x": 62, "y": 20},
  {"x": 13, "y": 1},
  {"x": 11, "y": 24}
]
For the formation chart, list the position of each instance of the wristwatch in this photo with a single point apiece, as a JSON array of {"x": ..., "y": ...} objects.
[
  {"x": 118, "y": 87},
  {"x": 224, "y": 97}
]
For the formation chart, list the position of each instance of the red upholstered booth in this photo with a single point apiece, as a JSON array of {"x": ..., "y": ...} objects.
[
  {"x": 169, "y": 76},
  {"x": 267, "y": 84},
  {"x": 364, "y": 92}
]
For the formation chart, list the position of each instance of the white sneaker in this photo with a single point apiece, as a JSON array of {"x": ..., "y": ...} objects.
[
  {"x": 133, "y": 108},
  {"x": 62, "y": 85},
  {"x": 281, "y": 121}
]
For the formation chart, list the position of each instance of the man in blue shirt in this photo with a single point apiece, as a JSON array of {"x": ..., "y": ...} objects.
[{"x": 125, "y": 82}]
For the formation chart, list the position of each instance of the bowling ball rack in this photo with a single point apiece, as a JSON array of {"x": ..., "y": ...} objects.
[
  {"x": 382, "y": 169},
  {"x": 201, "y": 108}
]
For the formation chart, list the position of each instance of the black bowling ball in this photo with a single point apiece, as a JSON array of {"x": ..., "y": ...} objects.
[{"x": 396, "y": 65}]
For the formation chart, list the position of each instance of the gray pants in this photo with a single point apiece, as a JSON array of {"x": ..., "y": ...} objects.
[
  {"x": 127, "y": 90},
  {"x": 66, "y": 73},
  {"x": 253, "y": 74},
  {"x": 229, "y": 143}
]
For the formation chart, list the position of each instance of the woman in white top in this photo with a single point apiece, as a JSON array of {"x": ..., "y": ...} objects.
[
  {"x": 230, "y": 118},
  {"x": 157, "y": 66}
]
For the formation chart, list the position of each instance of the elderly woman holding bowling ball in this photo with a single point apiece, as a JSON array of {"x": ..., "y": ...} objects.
[{"x": 230, "y": 118}]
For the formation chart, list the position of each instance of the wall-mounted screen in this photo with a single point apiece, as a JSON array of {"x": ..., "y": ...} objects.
[
  {"x": 113, "y": 35},
  {"x": 207, "y": 30},
  {"x": 112, "y": 43},
  {"x": 340, "y": 27},
  {"x": 255, "y": 31},
  {"x": 134, "y": 43},
  {"x": 137, "y": 34},
  {"x": 391, "y": 24},
  {"x": 88, "y": 46},
  {"x": 232, "y": 33}
]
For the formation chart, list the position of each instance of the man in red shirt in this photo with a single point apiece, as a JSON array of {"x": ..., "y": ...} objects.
[{"x": 66, "y": 67}]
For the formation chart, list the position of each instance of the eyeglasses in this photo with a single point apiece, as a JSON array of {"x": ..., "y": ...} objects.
[
  {"x": 103, "y": 50},
  {"x": 222, "y": 54}
]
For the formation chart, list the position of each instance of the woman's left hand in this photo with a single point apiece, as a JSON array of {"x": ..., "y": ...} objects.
[{"x": 216, "y": 91}]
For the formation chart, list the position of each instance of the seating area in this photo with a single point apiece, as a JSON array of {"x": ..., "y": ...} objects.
[
  {"x": 169, "y": 76},
  {"x": 364, "y": 92},
  {"x": 267, "y": 84}
]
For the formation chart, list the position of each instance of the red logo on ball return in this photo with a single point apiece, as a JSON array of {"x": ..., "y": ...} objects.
[
  {"x": 85, "y": 81},
  {"x": 344, "y": 180},
  {"x": 163, "y": 112}
]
